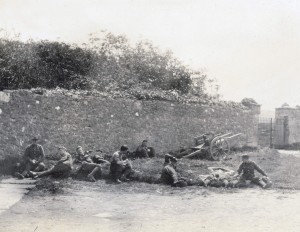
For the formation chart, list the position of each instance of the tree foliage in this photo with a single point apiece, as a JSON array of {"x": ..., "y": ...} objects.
[
  {"x": 43, "y": 64},
  {"x": 107, "y": 63}
]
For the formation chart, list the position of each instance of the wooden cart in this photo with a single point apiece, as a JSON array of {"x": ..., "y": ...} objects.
[{"x": 217, "y": 147}]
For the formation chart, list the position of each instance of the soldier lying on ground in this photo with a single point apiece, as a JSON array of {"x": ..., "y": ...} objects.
[
  {"x": 120, "y": 166},
  {"x": 247, "y": 176},
  {"x": 62, "y": 168},
  {"x": 32, "y": 160},
  {"x": 220, "y": 177},
  {"x": 215, "y": 180},
  {"x": 143, "y": 151},
  {"x": 169, "y": 176},
  {"x": 90, "y": 165}
]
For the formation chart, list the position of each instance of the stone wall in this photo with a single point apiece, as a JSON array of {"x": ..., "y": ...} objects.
[{"x": 106, "y": 123}]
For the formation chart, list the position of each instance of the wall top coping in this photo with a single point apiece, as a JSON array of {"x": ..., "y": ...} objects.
[{"x": 87, "y": 94}]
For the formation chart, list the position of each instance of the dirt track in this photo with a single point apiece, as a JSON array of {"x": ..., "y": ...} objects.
[{"x": 104, "y": 207}]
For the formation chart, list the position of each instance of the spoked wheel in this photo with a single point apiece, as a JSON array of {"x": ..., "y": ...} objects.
[{"x": 219, "y": 148}]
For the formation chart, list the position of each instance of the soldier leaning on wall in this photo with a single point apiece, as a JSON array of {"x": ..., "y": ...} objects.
[
  {"x": 32, "y": 160},
  {"x": 143, "y": 151},
  {"x": 62, "y": 168}
]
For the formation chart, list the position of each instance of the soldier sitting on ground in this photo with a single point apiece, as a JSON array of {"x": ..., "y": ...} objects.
[
  {"x": 90, "y": 165},
  {"x": 169, "y": 176},
  {"x": 207, "y": 138},
  {"x": 143, "y": 151},
  {"x": 62, "y": 168},
  {"x": 120, "y": 166},
  {"x": 246, "y": 174},
  {"x": 33, "y": 159}
]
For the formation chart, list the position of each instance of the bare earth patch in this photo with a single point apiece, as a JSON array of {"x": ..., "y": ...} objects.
[{"x": 105, "y": 207}]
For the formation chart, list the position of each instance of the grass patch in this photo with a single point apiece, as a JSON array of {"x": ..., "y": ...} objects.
[{"x": 283, "y": 170}]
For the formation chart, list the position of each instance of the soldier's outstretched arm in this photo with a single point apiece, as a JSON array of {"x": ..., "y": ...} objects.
[{"x": 257, "y": 168}]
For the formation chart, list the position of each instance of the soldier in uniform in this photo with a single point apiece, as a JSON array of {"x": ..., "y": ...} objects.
[
  {"x": 33, "y": 159},
  {"x": 246, "y": 174},
  {"x": 169, "y": 175},
  {"x": 62, "y": 168},
  {"x": 120, "y": 166},
  {"x": 143, "y": 151},
  {"x": 92, "y": 166}
]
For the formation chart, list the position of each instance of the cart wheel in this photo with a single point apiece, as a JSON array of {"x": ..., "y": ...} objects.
[{"x": 219, "y": 148}]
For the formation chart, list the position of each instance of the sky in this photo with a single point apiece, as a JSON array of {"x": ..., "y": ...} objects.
[{"x": 251, "y": 47}]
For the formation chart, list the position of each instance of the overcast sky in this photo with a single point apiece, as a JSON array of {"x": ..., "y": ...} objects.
[{"x": 252, "y": 47}]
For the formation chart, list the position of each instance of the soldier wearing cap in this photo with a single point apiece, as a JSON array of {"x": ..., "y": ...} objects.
[
  {"x": 62, "y": 168},
  {"x": 167, "y": 159},
  {"x": 169, "y": 175},
  {"x": 120, "y": 166},
  {"x": 33, "y": 159},
  {"x": 246, "y": 173},
  {"x": 93, "y": 166},
  {"x": 143, "y": 151}
]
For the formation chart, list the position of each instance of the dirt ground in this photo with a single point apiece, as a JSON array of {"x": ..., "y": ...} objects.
[
  {"x": 72, "y": 205},
  {"x": 105, "y": 207}
]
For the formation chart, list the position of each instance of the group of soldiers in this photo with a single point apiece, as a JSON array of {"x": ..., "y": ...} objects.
[
  {"x": 120, "y": 167},
  {"x": 32, "y": 164}
]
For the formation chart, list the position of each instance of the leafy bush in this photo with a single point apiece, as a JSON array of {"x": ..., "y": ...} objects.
[
  {"x": 109, "y": 63},
  {"x": 43, "y": 64}
]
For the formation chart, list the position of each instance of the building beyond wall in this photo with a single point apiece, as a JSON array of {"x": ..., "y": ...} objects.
[{"x": 98, "y": 122}]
